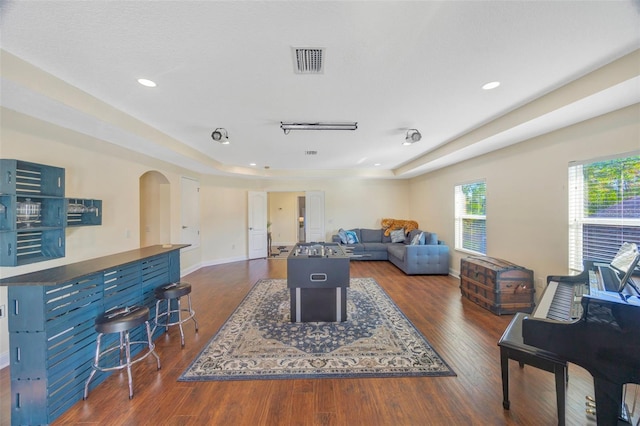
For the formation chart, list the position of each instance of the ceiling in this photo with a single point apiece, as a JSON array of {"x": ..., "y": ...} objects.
[{"x": 390, "y": 66}]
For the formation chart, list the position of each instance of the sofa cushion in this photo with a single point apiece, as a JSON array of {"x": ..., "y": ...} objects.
[
  {"x": 397, "y": 250},
  {"x": 371, "y": 235},
  {"x": 397, "y": 236},
  {"x": 375, "y": 246},
  {"x": 431, "y": 238}
]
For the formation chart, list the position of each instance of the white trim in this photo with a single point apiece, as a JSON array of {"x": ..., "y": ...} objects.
[
  {"x": 474, "y": 253},
  {"x": 605, "y": 158}
]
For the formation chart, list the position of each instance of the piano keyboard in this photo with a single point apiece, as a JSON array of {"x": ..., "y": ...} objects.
[{"x": 558, "y": 302}]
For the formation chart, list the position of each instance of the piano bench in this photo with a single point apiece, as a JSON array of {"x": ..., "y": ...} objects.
[{"x": 513, "y": 347}]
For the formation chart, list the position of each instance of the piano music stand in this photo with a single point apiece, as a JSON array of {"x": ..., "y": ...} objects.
[{"x": 513, "y": 347}]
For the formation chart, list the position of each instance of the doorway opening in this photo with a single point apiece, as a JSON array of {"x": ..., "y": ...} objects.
[
  {"x": 301, "y": 219},
  {"x": 155, "y": 218}
]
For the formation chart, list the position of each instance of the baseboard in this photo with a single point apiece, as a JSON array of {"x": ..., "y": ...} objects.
[
  {"x": 222, "y": 261},
  {"x": 4, "y": 360},
  {"x": 187, "y": 271}
]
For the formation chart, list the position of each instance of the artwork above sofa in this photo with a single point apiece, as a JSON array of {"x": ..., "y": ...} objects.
[{"x": 416, "y": 253}]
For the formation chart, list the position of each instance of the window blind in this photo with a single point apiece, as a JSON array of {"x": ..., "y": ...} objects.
[
  {"x": 604, "y": 208},
  {"x": 470, "y": 217}
]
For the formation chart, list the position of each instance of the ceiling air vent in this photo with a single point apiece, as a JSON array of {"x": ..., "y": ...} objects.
[
  {"x": 311, "y": 153},
  {"x": 308, "y": 60}
]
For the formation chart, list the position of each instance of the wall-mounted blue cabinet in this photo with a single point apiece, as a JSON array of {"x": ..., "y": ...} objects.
[
  {"x": 83, "y": 212},
  {"x": 34, "y": 212},
  {"x": 31, "y": 179},
  {"x": 32, "y": 216}
]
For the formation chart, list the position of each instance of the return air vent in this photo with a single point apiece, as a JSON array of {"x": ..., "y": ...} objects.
[{"x": 308, "y": 60}]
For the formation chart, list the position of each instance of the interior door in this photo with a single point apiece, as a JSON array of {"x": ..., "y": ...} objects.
[
  {"x": 257, "y": 204},
  {"x": 314, "y": 220},
  {"x": 190, "y": 212}
]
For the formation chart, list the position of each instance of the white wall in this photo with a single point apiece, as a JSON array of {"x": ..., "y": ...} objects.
[
  {"x": 348, "y": 203},
  {"x": 527, "y": 215},
  {"x": 353, "y": 203}
]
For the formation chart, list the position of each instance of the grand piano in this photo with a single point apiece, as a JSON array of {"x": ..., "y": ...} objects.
[{"x": 593, "y": 320}]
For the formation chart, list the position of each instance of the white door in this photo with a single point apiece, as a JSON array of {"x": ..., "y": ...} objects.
[
  {"x": 190, "y": 215},
  {"x": 314, "y": 220},
  {"x": 257, "y": 224}
]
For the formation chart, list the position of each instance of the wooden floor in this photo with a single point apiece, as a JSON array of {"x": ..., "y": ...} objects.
[{"x": 464, "y": 334}]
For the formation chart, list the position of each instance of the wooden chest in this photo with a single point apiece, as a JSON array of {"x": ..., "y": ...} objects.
[{"x": 497, "y": 285}]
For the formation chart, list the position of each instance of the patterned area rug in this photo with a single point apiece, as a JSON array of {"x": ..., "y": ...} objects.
[{"x": 258, "y": 341}]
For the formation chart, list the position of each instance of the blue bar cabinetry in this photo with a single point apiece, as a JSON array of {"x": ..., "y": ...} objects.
[{"x": 51, "y": 323}]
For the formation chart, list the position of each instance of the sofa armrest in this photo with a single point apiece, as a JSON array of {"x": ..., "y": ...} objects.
[
  {"x": 427, "y": 250},
  {"x": 426, "y": 259}
]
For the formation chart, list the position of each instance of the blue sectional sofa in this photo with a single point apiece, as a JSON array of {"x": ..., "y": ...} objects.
[{"x": 426, "y": 256}]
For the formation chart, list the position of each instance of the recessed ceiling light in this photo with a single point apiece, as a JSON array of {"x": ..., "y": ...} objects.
[
  {"x": 252, "y": 164},
  {"x": 491, "y": 85},
  {"x": 146, "y": 82},
  {"x": 377, "y": 164}
]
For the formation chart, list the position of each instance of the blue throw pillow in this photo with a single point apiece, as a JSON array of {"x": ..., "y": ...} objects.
[
  {"x": 352, "y": 238},
  {"x": 343, "y": 236}
]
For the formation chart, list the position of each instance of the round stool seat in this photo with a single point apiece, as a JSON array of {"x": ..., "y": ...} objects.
[
  {"x": 173, "y": 291},
  {"x": 121, "y": 319},
  {"x": 174, "y": 314}
]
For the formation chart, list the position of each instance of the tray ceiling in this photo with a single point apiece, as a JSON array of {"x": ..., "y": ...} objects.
[{"x": 390, "y": 66}]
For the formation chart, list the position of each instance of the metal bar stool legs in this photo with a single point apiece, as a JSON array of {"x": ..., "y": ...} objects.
[
  {"x": 174, "y": 292},
  {"x": 121, "y": 321}
]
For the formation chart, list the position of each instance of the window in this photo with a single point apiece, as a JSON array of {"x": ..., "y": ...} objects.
[
  {"x": 470, "y": 217},
  {"x": 604, "y": 208}
]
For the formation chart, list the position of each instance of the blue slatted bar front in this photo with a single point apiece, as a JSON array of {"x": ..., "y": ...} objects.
[{"x": 51, "y": 324}]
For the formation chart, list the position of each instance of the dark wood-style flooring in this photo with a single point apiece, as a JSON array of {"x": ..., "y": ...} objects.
[{"x": 464, "y": 334}]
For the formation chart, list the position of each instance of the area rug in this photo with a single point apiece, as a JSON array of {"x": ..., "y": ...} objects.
[{"x": 258, "y": 341}]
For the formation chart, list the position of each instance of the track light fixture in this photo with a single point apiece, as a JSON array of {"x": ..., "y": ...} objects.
[
  {"x": 287, "y": 126},
  {"x": 220, "y": 135},
  {"x": 413, "y": 136}
]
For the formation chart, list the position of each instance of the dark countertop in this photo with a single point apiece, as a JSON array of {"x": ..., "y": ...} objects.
[{"x": 72, "y": 271}]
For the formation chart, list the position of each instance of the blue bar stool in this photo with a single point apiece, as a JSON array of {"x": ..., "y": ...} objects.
[
  {"x": 121, "y": 321},
  {"x": 168, "y": 293}
]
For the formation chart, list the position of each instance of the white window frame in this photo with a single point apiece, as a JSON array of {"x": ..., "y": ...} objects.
[{"x": 460, "y": 215}]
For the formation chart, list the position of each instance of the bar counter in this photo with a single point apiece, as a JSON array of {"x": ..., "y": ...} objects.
[
  {"x": 51, "y": 323},
  {"x": 73, "y": 271}
]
